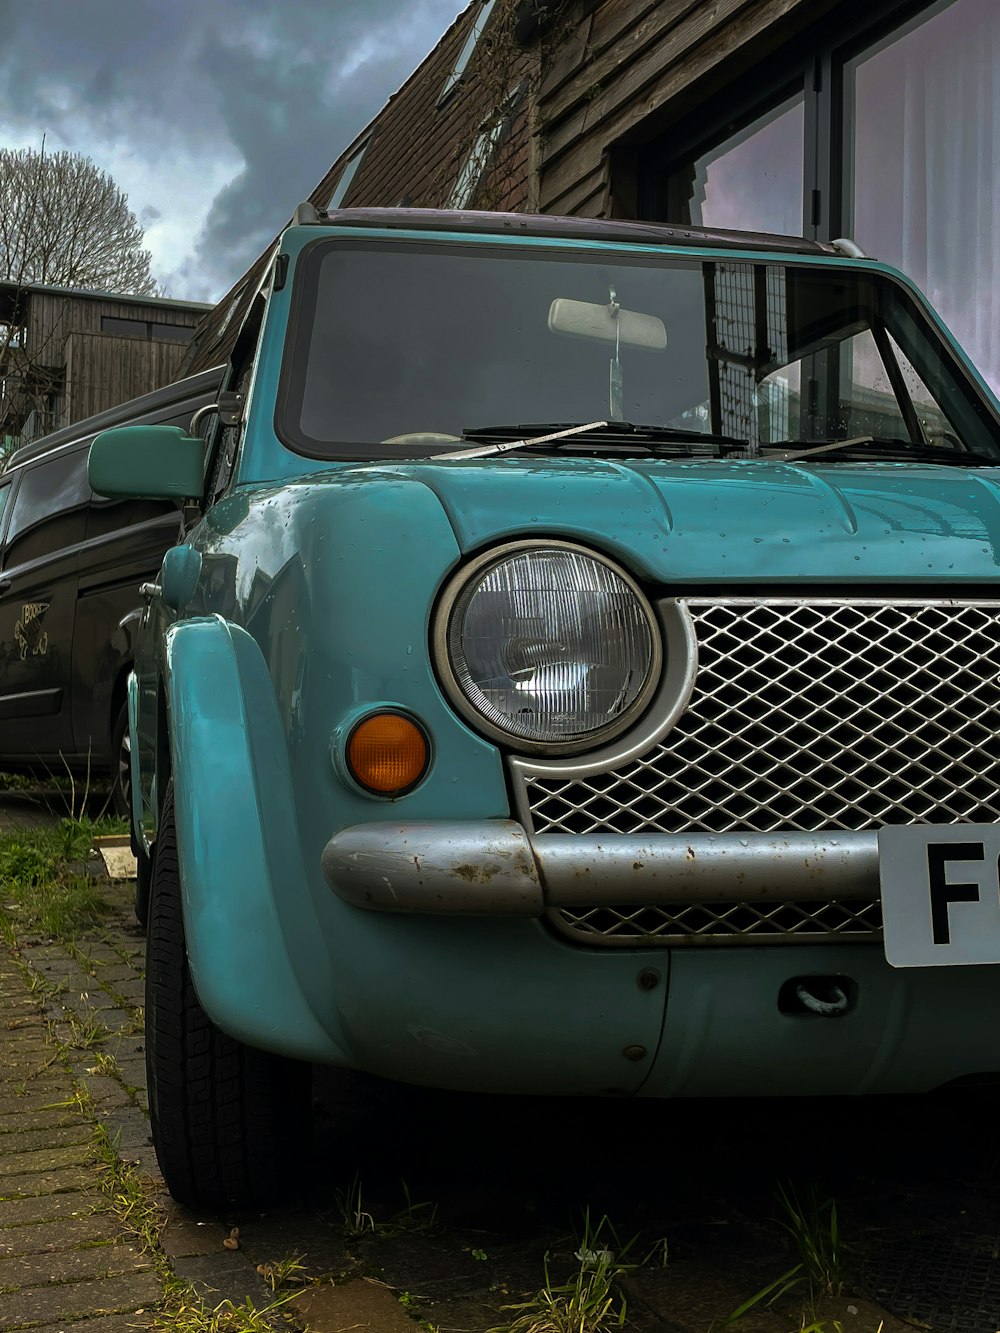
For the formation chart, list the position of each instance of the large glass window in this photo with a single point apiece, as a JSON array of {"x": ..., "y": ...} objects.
[
  {"x": 894, "y": 141},
  {"x": 922, "y": 170},
  {"x": 751, "y": 180}
]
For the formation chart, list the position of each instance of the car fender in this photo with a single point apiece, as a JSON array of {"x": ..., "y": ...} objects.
[{"x": 247, "y": 913}]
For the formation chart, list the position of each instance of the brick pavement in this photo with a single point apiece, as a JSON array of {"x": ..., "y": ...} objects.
[
  {"x": 61, "y": 1256},
  {"x": 72, "y": 1058}
]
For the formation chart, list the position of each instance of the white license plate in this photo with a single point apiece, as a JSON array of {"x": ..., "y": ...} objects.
[{"x": 940, "y": 893}]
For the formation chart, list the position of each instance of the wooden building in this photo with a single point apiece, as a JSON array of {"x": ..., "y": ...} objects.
[
  {"x": 873, "y": 119},
  {"x": 66, "y": 355}
]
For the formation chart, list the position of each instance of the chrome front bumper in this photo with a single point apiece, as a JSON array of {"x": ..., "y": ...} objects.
[{"x": 493, "y": 868}]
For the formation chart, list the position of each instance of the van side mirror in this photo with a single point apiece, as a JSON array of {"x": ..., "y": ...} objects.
[{"x": 147, "y": 462}]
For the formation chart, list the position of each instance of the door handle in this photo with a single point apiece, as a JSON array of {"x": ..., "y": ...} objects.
[{"x": 5, "y": 585}]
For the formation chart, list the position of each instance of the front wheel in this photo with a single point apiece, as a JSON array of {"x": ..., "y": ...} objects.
[
  {"x": 121, "y": 764},
  {"x": 228, "y": 1121}
]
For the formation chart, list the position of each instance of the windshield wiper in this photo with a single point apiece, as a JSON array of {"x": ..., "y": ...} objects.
[
  {"x": 888, "y": 447},
  {"x": 504, "y": 446},
  {"x": 616, "y": 435}
]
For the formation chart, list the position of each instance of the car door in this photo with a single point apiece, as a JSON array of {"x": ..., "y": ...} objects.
[{"x": 38, "y": 585}]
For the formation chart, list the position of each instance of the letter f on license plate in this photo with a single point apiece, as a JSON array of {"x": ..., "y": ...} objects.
[{"x": 940, "y": 893}]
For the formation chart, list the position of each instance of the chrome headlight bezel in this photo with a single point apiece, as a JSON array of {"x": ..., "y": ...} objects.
[{"x": 448, "y": 603}]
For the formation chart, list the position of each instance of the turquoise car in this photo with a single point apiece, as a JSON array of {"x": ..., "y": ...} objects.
[{"x": 579, "y": 674}]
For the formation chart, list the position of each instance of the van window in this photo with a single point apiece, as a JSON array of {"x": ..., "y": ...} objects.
[
  {"x": 107, "y": 516},
  {"x": 50, "y": 509}
]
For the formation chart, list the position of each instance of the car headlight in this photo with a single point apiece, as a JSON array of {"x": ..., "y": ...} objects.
[{"x": 547, "y": 645}]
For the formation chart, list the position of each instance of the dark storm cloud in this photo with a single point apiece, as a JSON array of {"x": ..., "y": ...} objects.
[{"x": 283, "y": 87}]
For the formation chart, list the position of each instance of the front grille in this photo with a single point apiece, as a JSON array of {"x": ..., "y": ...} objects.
[
  {"x": 854, "y": 919},
  {"x": 810, "y": 715}
]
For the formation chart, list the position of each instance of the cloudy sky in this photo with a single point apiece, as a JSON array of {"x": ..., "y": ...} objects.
[{"x": 214, "y": 116}]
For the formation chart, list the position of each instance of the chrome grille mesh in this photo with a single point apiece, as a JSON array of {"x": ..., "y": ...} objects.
[
  {"x": 812, "y": 715},
  {"x": 722, "y": 923},
  {"x": 807, "y": 715}
]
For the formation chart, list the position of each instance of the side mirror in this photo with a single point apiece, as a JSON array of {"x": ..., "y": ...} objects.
[{"x": 147, "y": 462}]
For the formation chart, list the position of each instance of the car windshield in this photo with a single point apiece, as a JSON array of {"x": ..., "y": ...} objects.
[{"x": 404, "y": 350}]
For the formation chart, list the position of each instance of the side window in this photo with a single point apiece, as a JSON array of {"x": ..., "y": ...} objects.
[
  {"x": 50, "y": 511},
  {"x": 4, "y": 497}
]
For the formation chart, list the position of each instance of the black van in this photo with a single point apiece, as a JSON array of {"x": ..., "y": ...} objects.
[{"x": 71, "y": 563}]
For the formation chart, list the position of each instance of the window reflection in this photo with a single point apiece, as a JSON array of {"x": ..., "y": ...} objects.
[
  {"x": 923, "y": 124},
  {"x": 752, "y": 180}
]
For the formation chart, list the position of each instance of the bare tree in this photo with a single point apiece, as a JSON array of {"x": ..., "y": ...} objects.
[{"x": 65, "y": 223}]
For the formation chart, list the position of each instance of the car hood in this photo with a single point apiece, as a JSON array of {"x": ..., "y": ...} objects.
[{"x": 741, "y": 521}]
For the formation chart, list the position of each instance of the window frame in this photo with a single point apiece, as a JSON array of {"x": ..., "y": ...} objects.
[
  {"x": 813, "y": 63},
  {"x": 457, "y": 71},
  {"x": 347, "y": 174},
  {"x": 488, "y": 141}
]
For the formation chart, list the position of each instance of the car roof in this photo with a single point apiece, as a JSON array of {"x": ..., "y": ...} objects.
[
  {"x": 195, "y": 386},
  {"x": 551, "y": 226}
]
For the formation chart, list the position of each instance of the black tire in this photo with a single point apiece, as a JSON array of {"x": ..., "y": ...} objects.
[
  {"x": 143, "y": 882},
  {"x": 121, "y": 772},
  {"x": 229, "y": 1123}
]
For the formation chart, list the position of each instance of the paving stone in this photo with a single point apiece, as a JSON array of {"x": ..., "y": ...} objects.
[
  {"x": 44, "y": 1208},
  {"x": 183, "y": 1235},
  {"x": 77, "y": 1300},
  {"x": 58, "y": 1233},
  {"x": 353, "y": 1307},
  {"x": 28, "y": 1093},
  {"x": 43, "y": 1159},
  {"x": 321, "y": 1248},
  {"x": 112, "y": 1323},
  {"x": 223, "y": 1276},
  {"x": 128, "y": 1128},
  {"x": 133, "y": 1071},
  {"x": 53, "y": 1136},
  {"x": 144, "y": 1160},
  {"x": 72, "y": 1264},
  {"x": 13, "y": 1121},
  {"x": 46, "y": 1182}
]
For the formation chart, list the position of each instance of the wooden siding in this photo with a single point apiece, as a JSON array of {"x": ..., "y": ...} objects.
[
  {"x": 630, "y": 68},
  {"x": 104, "y": 370}
]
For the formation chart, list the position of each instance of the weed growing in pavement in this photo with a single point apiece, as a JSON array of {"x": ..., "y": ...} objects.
[
  {"x": 86, "y": 1033},
  {"x": 355, "y": 1219},
  {"x": 186, "y": 1314},
  {"x": 39, "y": 892},
  {"x": 106, "y": 1064},
  {"x": 591, "y": 1300},
  {"x": 412, "y": 1216},
  {"x": 287, "y": 1272},
  {"x": 123, "y": 1188},
  {"x": 812, "y": 1224}
]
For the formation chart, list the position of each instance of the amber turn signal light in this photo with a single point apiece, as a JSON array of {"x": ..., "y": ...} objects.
[{"x": 387, "y": 753}]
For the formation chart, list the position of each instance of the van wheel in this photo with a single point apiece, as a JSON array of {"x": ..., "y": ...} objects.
[
  {"x": 230, "y": 1124},
  {"x": 121, "y": 764}
]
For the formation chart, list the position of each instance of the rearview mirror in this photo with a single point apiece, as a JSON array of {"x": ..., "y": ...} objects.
[
  {"x": 148, "y": 462},
  {"x": 628, "y": 328}
]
